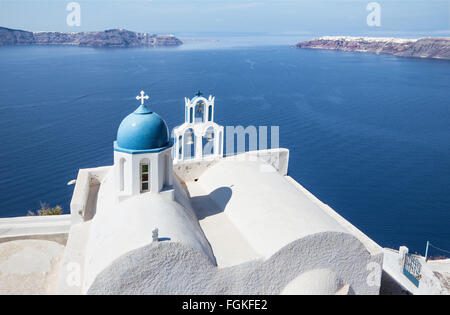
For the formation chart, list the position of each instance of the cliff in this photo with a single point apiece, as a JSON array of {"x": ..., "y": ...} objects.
[
  {"x": 108, "y": 38},
  {"x": 438, "y": 48}
]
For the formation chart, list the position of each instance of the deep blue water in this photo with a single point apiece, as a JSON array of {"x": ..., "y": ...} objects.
[{"x": 368, "y": 134}]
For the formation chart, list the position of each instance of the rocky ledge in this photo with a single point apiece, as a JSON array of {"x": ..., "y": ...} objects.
[
  {"x": 108, "y": 38},
  {"x": 438, "y": 48}
]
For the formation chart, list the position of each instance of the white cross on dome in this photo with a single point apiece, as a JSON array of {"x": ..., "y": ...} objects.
[{"x": 142, "y": 97}]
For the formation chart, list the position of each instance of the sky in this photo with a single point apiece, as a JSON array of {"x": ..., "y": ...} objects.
[{"x": 321, "y": 17}]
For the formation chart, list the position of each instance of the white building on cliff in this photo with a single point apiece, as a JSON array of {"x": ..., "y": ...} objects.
[{"x": 176, "y": 217}]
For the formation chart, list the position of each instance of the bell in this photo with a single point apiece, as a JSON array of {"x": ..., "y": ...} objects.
[
  {"x": 200, "y": 108},
  {"x": 209, "y": 135},
  {"x": 189, "y": 139}
]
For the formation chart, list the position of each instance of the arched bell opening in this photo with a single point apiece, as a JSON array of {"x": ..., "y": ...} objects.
[
  {"x": 208, "y": 142},
  {"x": 199, "y": 111},
  {"x": 179, "y": 153},
  {"x": 210, "y": 113},
  {"x": 191, "y": 115},
  {"x": 189, "y": 144}
]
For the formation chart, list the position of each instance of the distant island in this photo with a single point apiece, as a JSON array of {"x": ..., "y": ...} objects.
[
  {"x": 103, "y": 39},
  {"x": 438, "y": 48}
]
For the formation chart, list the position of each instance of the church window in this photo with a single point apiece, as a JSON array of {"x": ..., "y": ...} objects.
[{"x": 145, "y": 177}]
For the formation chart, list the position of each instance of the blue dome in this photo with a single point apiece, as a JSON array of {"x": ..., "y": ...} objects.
[{"x": 142, "y": 131}]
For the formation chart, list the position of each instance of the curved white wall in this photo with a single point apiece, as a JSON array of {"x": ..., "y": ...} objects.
[
  {"x": 174, "y": 268},
  {"x": 314, "y": 282},
  {"x": 118, "y": 228},
  {"x": 290, "y": 229},
  {"x": 268, "y": 210}
]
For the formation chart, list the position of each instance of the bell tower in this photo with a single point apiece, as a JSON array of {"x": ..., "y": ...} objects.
[{"x": 199, "y": 137}]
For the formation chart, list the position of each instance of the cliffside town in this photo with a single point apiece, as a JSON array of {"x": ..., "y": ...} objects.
[{"x": 438, "y": 48}]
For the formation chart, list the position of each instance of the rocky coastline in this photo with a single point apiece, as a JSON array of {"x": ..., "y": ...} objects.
[{"x": 115, "y": 38}]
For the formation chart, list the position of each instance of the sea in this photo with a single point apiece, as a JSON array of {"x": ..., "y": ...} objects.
[{"x": 368, "y": 134}]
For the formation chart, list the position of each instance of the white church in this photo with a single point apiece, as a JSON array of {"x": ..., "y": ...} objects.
[{"x": 173, "y": 215}]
